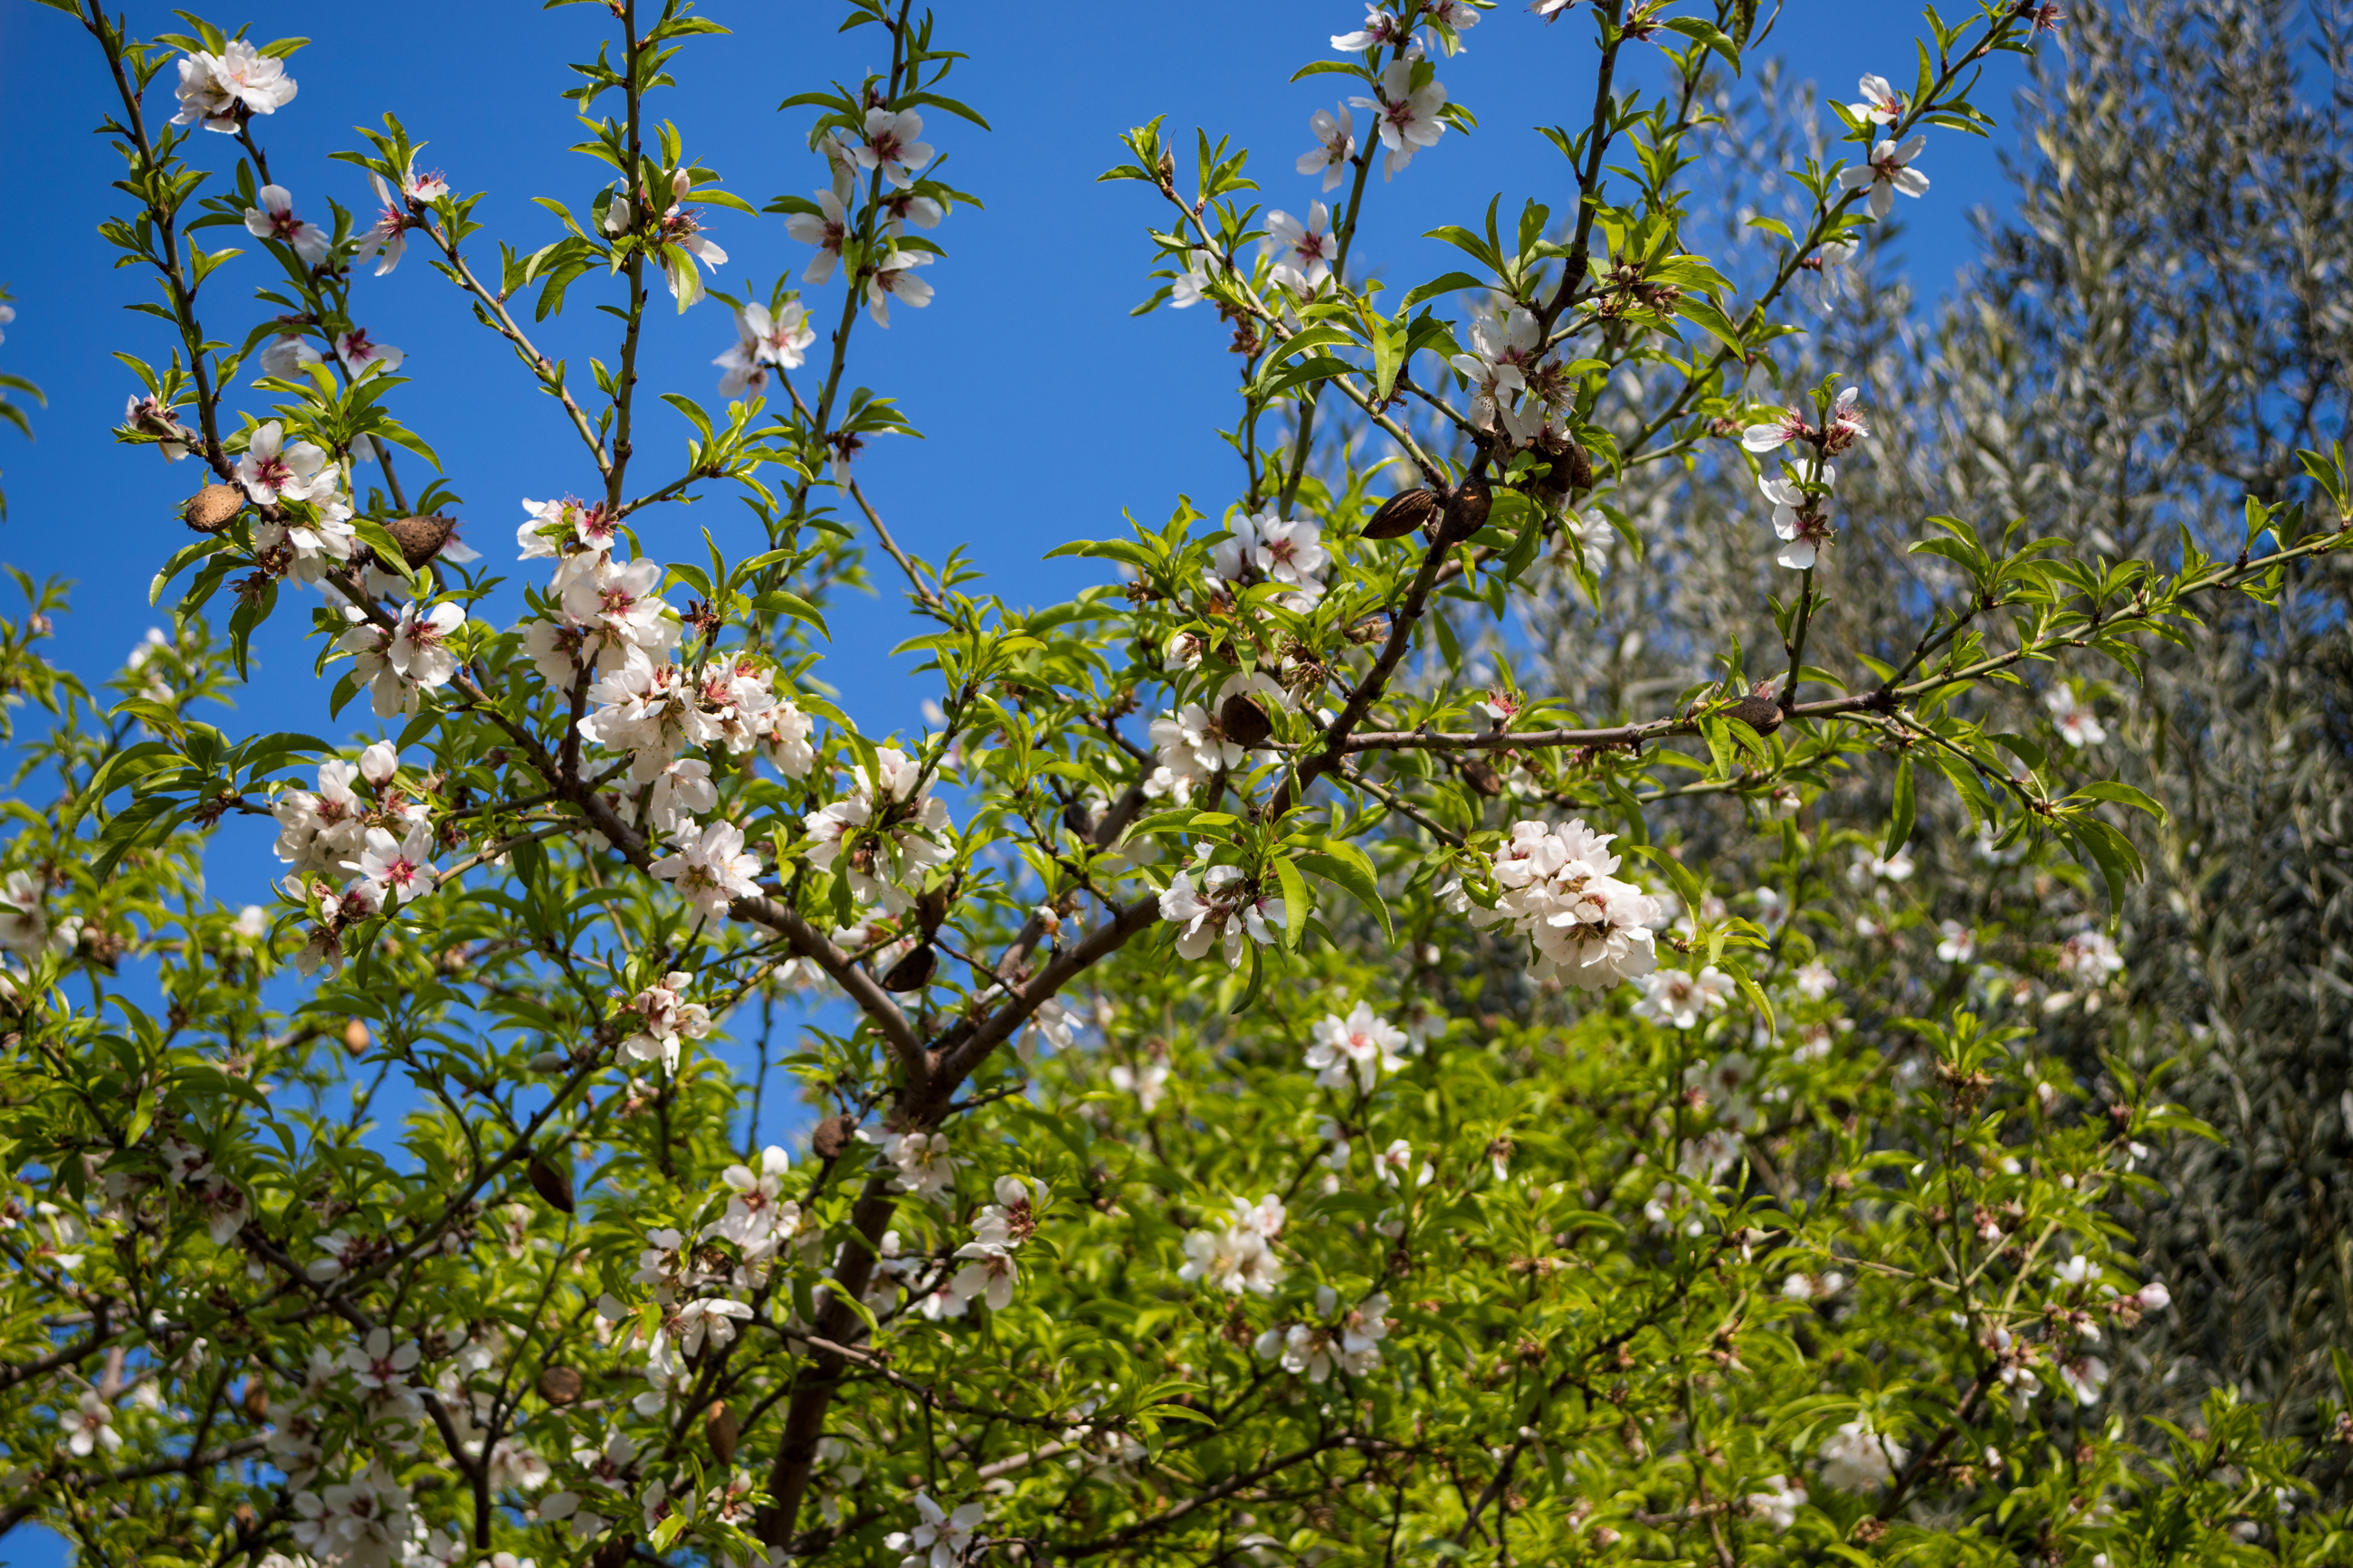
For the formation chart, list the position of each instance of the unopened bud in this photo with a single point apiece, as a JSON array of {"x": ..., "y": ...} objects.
[
  {"x": 355, "y": 1037},
  {"x": 550, "y": 1062}
]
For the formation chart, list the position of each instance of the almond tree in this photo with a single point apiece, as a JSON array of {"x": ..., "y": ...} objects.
[{"x": 1276, "y": 1084}]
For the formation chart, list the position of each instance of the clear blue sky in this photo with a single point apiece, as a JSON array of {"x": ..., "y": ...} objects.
[{"x": 1047, "y": 409}]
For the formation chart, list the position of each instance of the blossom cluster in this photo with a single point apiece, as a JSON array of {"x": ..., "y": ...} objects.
[
  {"x": 1558, "y": 887},
  {"x": 1237, "y": 1257},
  {"x": 359, "y": 821}
]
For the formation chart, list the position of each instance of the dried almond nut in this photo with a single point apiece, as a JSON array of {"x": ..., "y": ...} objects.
[
  {"x": 1466, "y": 508},
  {"x": 831, "y": 1137},
  {"x": 1403, "y": 513},
  {"x": 421, "y": 538},
  {"x": 210, "y": 509},
  {"x": 355, "y": 1037},
  {"x": 559, "y": 1385},
  {"x": 551, "y": 1182},
  {"x": 722, "y": 1432},
  {"x": 1245, "y": 723},
  {"x": 913, "y": 971},
  {"x": 1759, "y": 712},
  {"x": 1481, "y": 776}
]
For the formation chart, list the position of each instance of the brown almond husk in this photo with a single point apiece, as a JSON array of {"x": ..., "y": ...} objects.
[
  {"x": 1466, "y": 508},
  {"x": 421, "y": 538},
  {"x": 211, "y": 508},
  {"x": 1481, "y": 776},
  {"x": 1245, "y": 723},
  {"x": 551, "y": 1182},
  {"x": 1759, "y": 712},
  {"x": 913, "y": 971},
  {"x": 560, "y": 1385},
  {"x": 355, "y": 1037},
  {"x": 257, "y": 1399},
  {"x": 722, "y": 1432},
  {"x": 1403, "y": 513},
  {"x": 831, "y": 1137}
]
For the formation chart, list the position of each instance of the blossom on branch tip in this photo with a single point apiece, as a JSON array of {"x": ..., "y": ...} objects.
[
  {"x": 1380, "y": 30},
  {"x": 221, "y": 90},
  {"x": 1888, "y": 172}
]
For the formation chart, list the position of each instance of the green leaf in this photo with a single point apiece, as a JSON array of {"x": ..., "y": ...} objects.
[
  {"x": 780, "y": 603},
  {"x": 1447, "y": 284},
  {"x": 1344, "y": 867},
  {"x": 1295, "y": 903},
  {"x": 1899, "y": 821}
]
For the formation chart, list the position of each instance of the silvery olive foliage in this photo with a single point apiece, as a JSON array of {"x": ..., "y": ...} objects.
[
  {"x": 1285, "y": 1067},
  {"x": 2155, "y": 334}
]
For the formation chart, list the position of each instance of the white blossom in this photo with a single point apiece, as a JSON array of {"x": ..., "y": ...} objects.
[
  {"x": 1880, "y": 104},
  {"x": 1857, "y": 1458},
  {"x": 272, "y": 471},
  {"x": 1361, "y": 1046},
  {"x": 275, "y": 219},
  {"x": 1888, "y": 172},
  {"x": 943, "y": 1539},
  {"x": 664, "y": 1018},
  {"x": 1408, "y": 115},
  {"x": 764, "y": 340},
  {"x": 894, "y": 144},
  {"x": 893, "y": 278},
  {"x": 1219, "y": 909},
  {"x": 1302, "y": 252},
  {"x": 88, "y": 1427},
  {"x": 826, "y": 229},
  {"x": 711, "y": 869},
  {"x": 1558, "y": 887},
  {"x": 2078, "y": 724},
  {"x": 1336, "y": 143},
  {"x": 1675, "y": 997},
  {"x": 218, "y": 90},
  {"x": 1778, "y": 1503}
]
